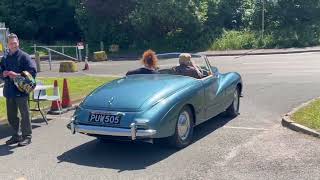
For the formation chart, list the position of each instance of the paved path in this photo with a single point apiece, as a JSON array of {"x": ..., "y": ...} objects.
[{"x": 252, "y": 146}]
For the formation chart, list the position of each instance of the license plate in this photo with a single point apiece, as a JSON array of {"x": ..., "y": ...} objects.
[{"x": 105, "y": 118}]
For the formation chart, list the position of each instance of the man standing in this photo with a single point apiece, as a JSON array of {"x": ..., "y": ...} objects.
[{"x": 12, "y": 64}]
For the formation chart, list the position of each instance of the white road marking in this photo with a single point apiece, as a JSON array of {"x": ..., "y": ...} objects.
[
  {"x": 21, "y": 178},
  {"x": 245, "y": 128}
]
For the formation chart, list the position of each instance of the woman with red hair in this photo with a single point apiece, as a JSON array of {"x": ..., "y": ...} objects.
[{"x": 149, "y": 60}]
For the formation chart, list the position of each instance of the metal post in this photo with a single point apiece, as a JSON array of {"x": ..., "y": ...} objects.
[
  {"x": 50, "y": 59},
  {"x": 80, "y": 55},
  {"x": 87, "y": 51},
  {"x": 37, "y": 60},
  {"x": 262, "y": 26},
  {"x": 35, "y": 48},
  {"x": 77, "y": 53},
  {"x": 101, "y": 46},
  {"x": 62, "y": 49}
]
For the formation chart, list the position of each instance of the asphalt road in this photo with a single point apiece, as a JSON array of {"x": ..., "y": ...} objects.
[{"x": 253, "y": 145}]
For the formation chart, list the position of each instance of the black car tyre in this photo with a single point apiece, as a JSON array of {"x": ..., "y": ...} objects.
[
  {"x": 183, "y": 130},
  {"x": 233, "y": 109}
]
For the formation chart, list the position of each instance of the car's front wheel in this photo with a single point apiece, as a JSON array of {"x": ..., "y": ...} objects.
[
  {"x": 233, "y": 109},
  {"x": 184, "y": 129}
]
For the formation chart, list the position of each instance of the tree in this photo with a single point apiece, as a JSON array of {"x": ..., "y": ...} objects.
[
  {"x": 45, "y": 20},
  {"x": 297, "y": 22},
  {"x": 105, "y": 20},
  {"x": 170, "y": 23}
]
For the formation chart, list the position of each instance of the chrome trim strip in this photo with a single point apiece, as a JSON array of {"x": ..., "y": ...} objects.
[
  {"x": 113, "y": 131},
  {"x": 107, "y": 112}
]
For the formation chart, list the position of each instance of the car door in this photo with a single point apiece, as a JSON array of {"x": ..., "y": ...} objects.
[
  {"x": 210, "y": 83},
  {"x": 210, "y": 88}
]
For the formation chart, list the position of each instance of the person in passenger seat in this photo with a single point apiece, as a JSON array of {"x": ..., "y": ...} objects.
[
  {"x": 187, "y": 67},
  {"x": 149, "y": 60}
]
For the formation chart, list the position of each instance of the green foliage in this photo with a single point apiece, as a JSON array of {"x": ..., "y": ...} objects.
[
  {"x": 105, "y": 21},
  {"x": 44, "y": 20},
  {"x": 297, "y": 23},
  {"x": 268, "y": 41},
  {"x": 27, "y": 46},
  {"x": 165, "y": 25},
  {"x": 235, "y": 40},
  {"x": 179, "y": 25},
  {"x": 176, "y": 25},
  {"x": 242, "y": 40}
]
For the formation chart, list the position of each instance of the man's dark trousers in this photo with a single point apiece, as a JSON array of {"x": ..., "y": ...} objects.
[{"x": 21, "y": 104}]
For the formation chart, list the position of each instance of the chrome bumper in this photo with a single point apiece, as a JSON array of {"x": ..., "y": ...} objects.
[{"x": 133, "y": 132}]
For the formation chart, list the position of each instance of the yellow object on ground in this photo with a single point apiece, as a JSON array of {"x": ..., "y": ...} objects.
[
  {"x": 100, "y": 56},
  {"x": 68, "y": 66}
]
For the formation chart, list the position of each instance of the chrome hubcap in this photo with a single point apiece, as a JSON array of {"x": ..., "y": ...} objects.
[
  {"x": 236, "y": 101},
  {"x": 184, "y": 125}
]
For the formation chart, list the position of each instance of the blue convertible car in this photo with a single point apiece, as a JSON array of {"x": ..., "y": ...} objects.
[{"x": 152, "y": 106}]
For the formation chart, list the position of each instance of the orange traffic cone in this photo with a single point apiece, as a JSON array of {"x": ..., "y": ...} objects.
[
  {"x": 66, "y": 103},
  {"x": 55, "y": 105},
  {"x": 86, "y": 65}
]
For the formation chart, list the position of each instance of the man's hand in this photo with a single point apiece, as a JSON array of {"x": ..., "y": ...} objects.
[
  {"x": 12, "y": 74},
  {"x": 5, "y": 73},
  {"x": 197, "y": 68},
  {"x": 192, "y": 63}
]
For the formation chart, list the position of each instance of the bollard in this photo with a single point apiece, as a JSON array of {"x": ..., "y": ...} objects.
[{"x": 86, "y": 64}]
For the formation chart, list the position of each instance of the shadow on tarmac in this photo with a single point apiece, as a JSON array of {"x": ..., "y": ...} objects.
[
  {"x": 5, "y": 132},
  {"x": 6, "y": 150},
  {"x": 126, "y": 156}
]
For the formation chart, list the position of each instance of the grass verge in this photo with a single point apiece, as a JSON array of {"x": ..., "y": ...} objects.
[
  {"x": 79, "y": 87},
  {"x": 309, "y": 115}
]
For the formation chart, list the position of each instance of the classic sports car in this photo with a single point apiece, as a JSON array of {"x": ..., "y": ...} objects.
[{"x": 152, "y": 106}]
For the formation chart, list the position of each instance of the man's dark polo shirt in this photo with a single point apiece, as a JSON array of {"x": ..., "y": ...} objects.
[
  {"x": 17, "y": 62},
  {"x": 187, "y": 71}
]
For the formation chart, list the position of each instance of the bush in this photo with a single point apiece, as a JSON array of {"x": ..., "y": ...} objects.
[
  {"x": 268, "y": 41},
  {"x": 243, "y": 40},
  {"x": 235, "y": 40}
]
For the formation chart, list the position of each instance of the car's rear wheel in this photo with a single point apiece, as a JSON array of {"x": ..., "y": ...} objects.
[
  {"x": 184, "y": 129},
  {"x": 233, "y": 109}
]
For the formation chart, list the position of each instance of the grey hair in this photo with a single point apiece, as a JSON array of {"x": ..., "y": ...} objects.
[
  {"x": 12, "y": 36},
  {"x": 185, "y": 58}
]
